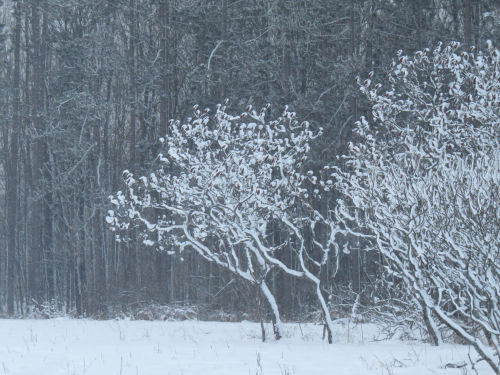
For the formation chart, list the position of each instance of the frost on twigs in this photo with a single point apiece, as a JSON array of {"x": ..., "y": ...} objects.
[{"x": 425, "y": 182}]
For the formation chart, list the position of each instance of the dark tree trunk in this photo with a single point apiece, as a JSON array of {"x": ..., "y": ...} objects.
[
  {"x": 37, "y": 163},
  {"x": 12, "y": 173},
  {"x": 164, "y": 89},
  {"x": 468, "y": 37}
]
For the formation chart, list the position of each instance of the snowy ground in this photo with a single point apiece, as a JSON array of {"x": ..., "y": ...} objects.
[{"x": 75, "y": 347}]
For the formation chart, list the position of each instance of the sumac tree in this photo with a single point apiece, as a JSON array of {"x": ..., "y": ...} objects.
[
  {"x": 424, "y": 180},
  {"x": 222, "y": 185}
]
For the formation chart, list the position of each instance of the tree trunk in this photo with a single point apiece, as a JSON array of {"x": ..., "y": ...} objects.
[
  {"x": 12, "y": 174},
  {"x": 418, "y": 20},
  {"x": 277, "y": 326},
  {"x": 356, "y": 269},
  {"x": 261, "y": 319},
  {"x": 38, "y": 151},
  {"x": 224, "y": 61},
  {"x": 164, "y": 46},
  {"x": 431, "y": 326},
  {"x": 326, "y": 313},
  {"x": 132, "y": 269},
  {"x": 468, "y": 22}
]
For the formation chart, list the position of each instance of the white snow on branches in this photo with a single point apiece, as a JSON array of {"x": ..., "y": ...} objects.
[
  {"x": 224, "y": 184},
  {"x": 425, "y": 181}
]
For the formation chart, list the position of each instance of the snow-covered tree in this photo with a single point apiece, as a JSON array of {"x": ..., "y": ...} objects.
[
  {"x": 219, "y": 185},
  {"x": 424, "y": 179}
]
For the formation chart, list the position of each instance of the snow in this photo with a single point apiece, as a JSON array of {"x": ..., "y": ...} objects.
[{"x": 75, "y": 347}]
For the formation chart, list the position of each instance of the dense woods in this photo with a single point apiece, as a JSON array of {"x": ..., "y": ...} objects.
[{"x": 89, "y": 87}]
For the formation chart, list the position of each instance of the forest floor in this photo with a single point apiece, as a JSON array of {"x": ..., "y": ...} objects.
[{"x": 120, "y": 347}]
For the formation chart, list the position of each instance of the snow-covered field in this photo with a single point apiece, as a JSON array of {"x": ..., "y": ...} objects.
[{"x": 74, "y": 347}]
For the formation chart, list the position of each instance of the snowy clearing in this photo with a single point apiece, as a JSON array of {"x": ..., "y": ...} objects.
[{"x": 74, "y": 347}]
